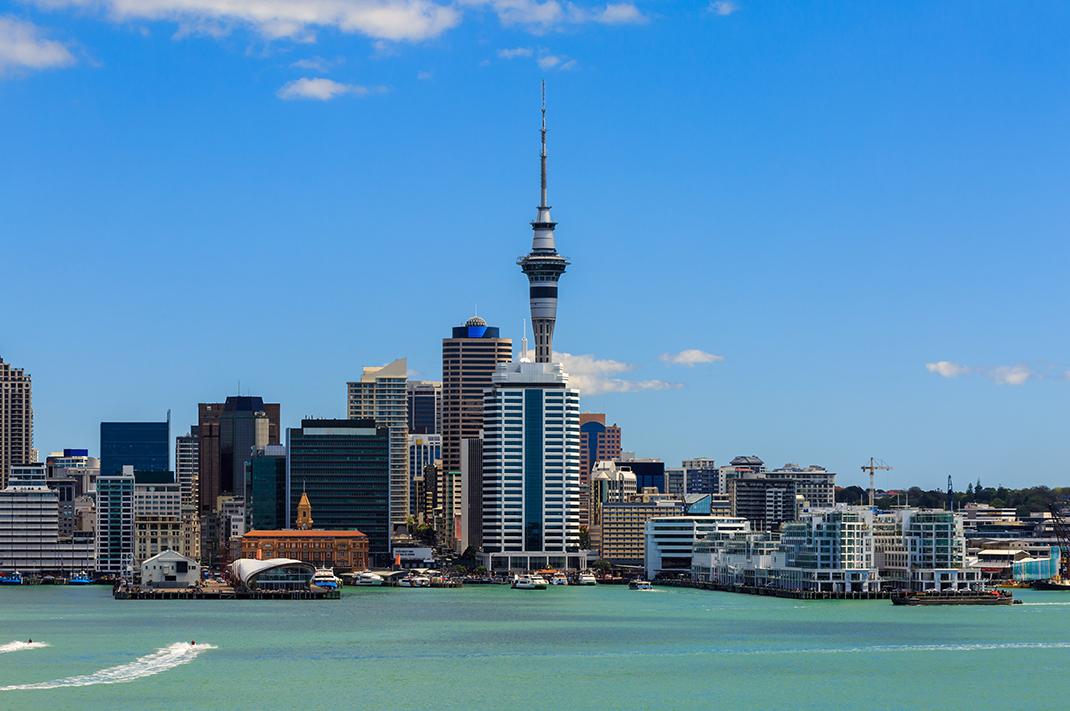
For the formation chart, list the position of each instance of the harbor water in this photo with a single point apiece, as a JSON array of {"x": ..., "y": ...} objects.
[{"x": 494, "y": 647}]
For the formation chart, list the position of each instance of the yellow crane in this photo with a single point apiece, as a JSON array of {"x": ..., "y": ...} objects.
[{"x": 874, "y": 466}]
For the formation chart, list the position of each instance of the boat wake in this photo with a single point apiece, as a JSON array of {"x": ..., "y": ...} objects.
[
  {"x": 20, "y": 646},
  {"x": 149, "y": 665}
]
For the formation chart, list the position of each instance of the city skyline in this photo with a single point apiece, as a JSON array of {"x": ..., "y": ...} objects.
[{"x": 762, "y": 296}]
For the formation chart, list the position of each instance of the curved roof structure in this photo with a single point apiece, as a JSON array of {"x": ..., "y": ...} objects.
[{"x": 245, "y": 570}]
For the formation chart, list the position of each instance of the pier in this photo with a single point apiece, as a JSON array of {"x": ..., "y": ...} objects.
[
  {"x": 220, "y": 593},
  {"x": 776, "y": 592}
]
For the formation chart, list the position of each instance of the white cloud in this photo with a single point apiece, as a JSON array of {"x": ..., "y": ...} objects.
[
  {"x": 315, "y": 64},
  {"x": 1010, "y": 374},
  {"x": 22, "y": 48},
  {"x": 947, "y": 369},
  {"x": 691, "y": 357},
  {"x": 397, "y": 20},
  {"x": 593, "y": 376},
  {"x": 623, "y": 13},
  {"x": 514, "y": 52},
  {"x": 319, "y": 89},
  {"x": 553, "y": 61},
  {"x": 546, "y": 15},
  {"x": 723, "y": 7}
]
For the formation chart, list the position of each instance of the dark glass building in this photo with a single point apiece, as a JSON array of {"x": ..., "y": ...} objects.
[
  {"x": 649, "y": 473},
  {"x": 423, "y": 406},
  {"x": 143, "y": 445},
  {"x": 344, "y": 467},
  {"x": 228, "y": 435},
  {"x": 267, "y": 487}
]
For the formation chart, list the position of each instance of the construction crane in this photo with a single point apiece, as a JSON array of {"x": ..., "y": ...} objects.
[{"x": 874, "y": 466}]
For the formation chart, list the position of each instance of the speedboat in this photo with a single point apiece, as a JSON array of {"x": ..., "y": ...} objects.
[
  {"x": 80, "y": 578},
  {"x": 638, "y": 584},
  {"x": 368, "y": 579},
  {"x": 559, "y": 578},
  {"x": 529, "y": 582},
  {"x": 325, "y": 578},
  {"x": 586, "y": 578},
  {"x": 11, "y": 578}
]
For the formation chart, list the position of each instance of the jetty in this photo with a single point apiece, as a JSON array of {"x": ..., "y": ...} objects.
[
  {"x": 219, "y": 592},
  {"x": 776, "y": 592}
]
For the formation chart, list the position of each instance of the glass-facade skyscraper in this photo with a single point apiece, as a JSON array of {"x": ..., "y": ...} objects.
[{"x": 146, "y": 446}]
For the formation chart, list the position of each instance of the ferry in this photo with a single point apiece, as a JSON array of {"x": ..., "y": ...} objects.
[
  {"x": 325, "y": 578},
  {"x": 559, "y": 578},
  {"x": 80, "y": 578},
  {"x": 964, "y": 597},
  {"x": 638, "y": 584},
  {"x": 529, "y": 582},
  {"x": 586, "y": 578},
  {"x": 415, "y": 581},
  {"x": 368, "y": 579},
  {"x": 11, "y": 578}
]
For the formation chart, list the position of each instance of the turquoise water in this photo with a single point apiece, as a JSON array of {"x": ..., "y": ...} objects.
[{"x": 492, "y": 647}]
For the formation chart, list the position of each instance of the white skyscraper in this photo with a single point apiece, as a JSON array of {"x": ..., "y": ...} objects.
[
  {"x": 381, "y": 395},
  {"x": 531, "y": 469}
]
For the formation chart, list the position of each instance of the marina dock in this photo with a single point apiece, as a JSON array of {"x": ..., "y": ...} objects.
[{"x": 220, "y": 593}]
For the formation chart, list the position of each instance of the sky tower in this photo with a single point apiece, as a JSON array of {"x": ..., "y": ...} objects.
[{"x": 543, "y": 266}]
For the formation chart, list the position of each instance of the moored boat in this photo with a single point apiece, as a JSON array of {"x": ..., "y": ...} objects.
[
  {"x": 559, "y": 578},
  {"x": 1051, "y": 585},
  {"x": 14, "y": 578},
  {"x": 586, "y": 578},
  {"x": 326, "y": 579},
  {"x": 415, "y": 581},
  {"x": 368, "y": 579},
  {"x": 80, "y": 578},
  {"x": 529, "y": 582},
  {"x": 965, "y": 597}
]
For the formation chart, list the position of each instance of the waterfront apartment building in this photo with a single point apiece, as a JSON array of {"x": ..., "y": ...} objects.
[
  {"x": 16, "y": 419},
  {"x": 620, "y": 535},
  {"x": 380, "y": 394},
  {"x": 157, "y": 515},
  {"x": 469, "y": 358},
  {"x": 344, "y": 467},
  {"x": 342, "y": 550},
  {"x": 30, "y": 537},
  {"x": 146, "y": 446},
  {"x": 115, "y": 523},
  {"x": 424, "y": 406},
  {"x": 531, "y": 469},
  {"x": 671, "y": 540},
  {"x": 922, "y": 550},
  {"x": 227, "y": 434}
]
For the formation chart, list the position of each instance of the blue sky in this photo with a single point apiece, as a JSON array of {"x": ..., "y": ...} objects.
[{"x": 859, "y": 208}]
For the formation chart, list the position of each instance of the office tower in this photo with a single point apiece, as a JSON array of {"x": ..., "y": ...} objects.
[
  {"x": 267, "y": 480},
  {"x": 765, "y": 502},
  {"x": 344, "y": 467},
  {"x": 424, "y": 450},
  {"x": 649, "y": 473},
  {"x": 738, "y": 467},
  {"x": 31, "y": 541},
  {"x": 609, "y": 484},
  {"x": 187, "y": 467},
  {"x": 115, "y": 523},
  {"x": 424, "y": 406},
  {"x": 157, "y": 515},
  {"x": 469, "y": 358},
  {"x": 227, "y": 434},
  {"x": 471, "y": 525},
  {"x": 701, "y": 476},
  {"x": 72, "y": 474},
  {"x": 380, "y": 395},
  {"x": 143, "y": 445},
  {"x": 815, "y": 484},
  {"x": 16, "y": 419},
  {"x": 543, "y": 266},
  {"x": 598, "y": 442},
  {"x": 531, "y": 469}
]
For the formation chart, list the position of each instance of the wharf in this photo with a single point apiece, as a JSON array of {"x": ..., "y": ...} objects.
[
  {"x": 776, "y": 592},
  {"x": 219, "y": 593}
]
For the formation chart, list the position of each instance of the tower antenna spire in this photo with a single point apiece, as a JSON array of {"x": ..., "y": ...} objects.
[{"x": 542, "y": 153}]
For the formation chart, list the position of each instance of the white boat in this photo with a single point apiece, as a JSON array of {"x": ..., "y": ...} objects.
[
  {"x": 559, "y": 578},
  {"x": 325, "y": 578},
  {"x": 638, "y": 584},
  {"x": 368, "y": 579},
  {"x": 586, "y": 578},
  {"x": 415, "y": 581},
  {"x": 529, "y": 582}
]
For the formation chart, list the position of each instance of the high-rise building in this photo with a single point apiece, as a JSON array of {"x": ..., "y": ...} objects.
[
  {"x": 344, "y": 467},
  {"x": 469, "y": 358},
  {"x": 157, "y": 515},
  {"x": 227, "y": 435},
  {"x": 543, "y": 266},
  {"x": 815, "y": 484},
  {"x": 599, "y": 442},
  {"x": 649, "y": 473},
  {"x": 30, "y": 537},
  {"x": 471, "y": 526},
  {"x": 115, "y": 523},
  {"x": 267, "y": 481},
  {"x": 531, "y": 469},
  {"x": 16, "y": 419},
  {"x": 701, "y": 476},
  {"x": 187, "y": 467},
  {"x": 380, "y": 394},
  {"x": 145, "y": 446},
  {"x": 424, "y": 450},
  {"x": 424, "y": 406},
  {"x": 765, "y": 502}
]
